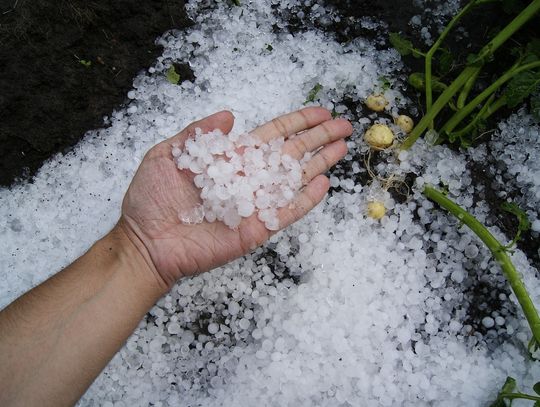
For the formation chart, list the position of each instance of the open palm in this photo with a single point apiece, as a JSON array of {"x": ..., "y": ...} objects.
[{"x": 159, "y": 191}]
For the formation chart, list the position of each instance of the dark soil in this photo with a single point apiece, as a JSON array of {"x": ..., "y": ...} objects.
[{"x": 66, "y": 64}]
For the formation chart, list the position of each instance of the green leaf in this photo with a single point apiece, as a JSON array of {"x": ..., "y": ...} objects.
[
  {"x": 529, "y": 58},
  {"x": 508, "y": 387},
  {"x": 521, "y": 86},
  {"x": 535, "y": 105},
  {"x": 532, "y": 348},
  {"x": 404, "y": 46},
  {"x": 312, "y": 95},
  {"x": 385, "y": 83},
  {"x": 445, "y": 61},
  {"x": 480, "y": 59},
  {"x": 236, "y": 2},
  {"x": 172, "y": 76},
  {"x": 536, "y": 387},
  {"x": 537, "y": 403},
  {"x": 533, "y": 47},
  {"x": 417, "y": 81},
  {"x": 471, "y": 59},
  {"x": 269, "y": 47},
  {"x": 85, "y": 63}
]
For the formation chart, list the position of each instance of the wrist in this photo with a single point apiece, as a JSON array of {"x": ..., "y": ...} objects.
[{"x": 133, "y": 257}]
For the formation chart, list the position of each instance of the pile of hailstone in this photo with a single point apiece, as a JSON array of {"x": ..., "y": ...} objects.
[{"x": 238, "y": 175}]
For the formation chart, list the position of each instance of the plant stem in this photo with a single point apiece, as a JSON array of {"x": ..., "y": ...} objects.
[
  {"x": 462, "y": 98},
  {"x": 493, "y": 107},
  {"x": 439, "y": 104},
  {"x": 458, "y": 134},
  {"x": 454, "y": 121},
  {"x": 511, "y": 396},
  {"x": 436, "y": 46},
  {"x": 499, "y": 253},
  {"x": 526, "y": 14}
]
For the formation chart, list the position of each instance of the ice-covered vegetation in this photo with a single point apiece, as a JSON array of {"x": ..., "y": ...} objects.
[{"x": 353, "y": 305}]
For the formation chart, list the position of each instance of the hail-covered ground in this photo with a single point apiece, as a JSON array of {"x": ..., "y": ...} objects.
[{"x": 337, "y": 310}]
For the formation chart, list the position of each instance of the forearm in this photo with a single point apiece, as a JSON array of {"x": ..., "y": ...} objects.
[{"x": 58, "y": 337}]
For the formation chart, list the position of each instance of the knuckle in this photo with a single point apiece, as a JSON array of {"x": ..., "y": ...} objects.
[{"x": 279, "y": 126}]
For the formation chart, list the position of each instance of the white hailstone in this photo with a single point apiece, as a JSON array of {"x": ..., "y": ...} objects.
[
  {"x": 488, "y": 322},
  {"x": 272, "y": 224},
  {"x": 192, "y": 216},
  {"x": 257, "y": 334},
  {"x": 403, "y": 335},
  {"x": 303, "y": 238},
  {"x": 245, "y": 208},
  {"x": 471, "y": 251},
  {"x": 244, "y": 323},
  {"x": 174, "y": 328},
  {"x": 235, "y": 186},
  {"x": 233, "y": 308},
  {"x": 213, "y": 328},
  {"x": 261, "y": 354},
  {"x": 188, "y": 337}
]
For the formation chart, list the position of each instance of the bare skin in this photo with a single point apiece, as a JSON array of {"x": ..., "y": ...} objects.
[{"x": 56, "y": 339}]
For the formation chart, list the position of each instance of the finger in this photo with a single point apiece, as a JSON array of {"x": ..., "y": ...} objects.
[
  {"x": 305, "y": 201},
  {"x": 292, "y": 123},
  {"x": 311, "y": 140},
  {"x": 223, "y": 121},
  {"x": 324, "y": 160}
]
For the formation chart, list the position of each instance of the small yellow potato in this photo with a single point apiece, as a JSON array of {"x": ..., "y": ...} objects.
[
  {"x": 377, "y": 103},
  {"x": 379, "y": 136},
  {"x": 405, "y": 123},
  {"x": 376, "y": 210}
]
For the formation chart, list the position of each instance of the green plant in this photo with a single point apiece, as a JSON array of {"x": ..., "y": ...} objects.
[
  {"x": 509, "y": 393},
  {"x": 466, "y": 117},
  {"x": 312, "y": 95},
  {"x": 84, "y": 62},
  {"x": 499, "y": 252},
  {"x": 172, "y": 76},
  {"x": 520, "y": 81}
]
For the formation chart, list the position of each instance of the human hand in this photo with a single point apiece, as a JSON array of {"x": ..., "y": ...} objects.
[{"x": 158, "y": 191}]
